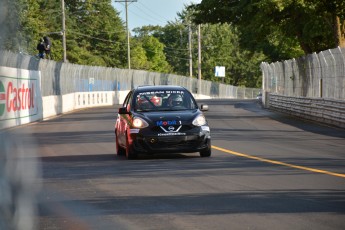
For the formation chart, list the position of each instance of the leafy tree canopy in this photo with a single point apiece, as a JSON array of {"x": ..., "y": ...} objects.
[
  {"x": 155, "y": 55},
  {"x": 280, "y": 28},
  {"x": 220, "y": 47}
]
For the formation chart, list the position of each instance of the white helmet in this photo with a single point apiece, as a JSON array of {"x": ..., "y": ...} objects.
[{"x": 175, "y": 100}]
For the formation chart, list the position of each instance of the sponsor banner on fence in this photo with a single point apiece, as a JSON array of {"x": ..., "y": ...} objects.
[{"x": 19, "y": 96}]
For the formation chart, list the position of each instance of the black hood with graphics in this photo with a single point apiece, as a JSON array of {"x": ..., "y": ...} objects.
[{"x": 169, "y": 118}]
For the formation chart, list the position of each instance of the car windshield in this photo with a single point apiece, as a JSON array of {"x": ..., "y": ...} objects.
[{"x": 164, "y": 100}]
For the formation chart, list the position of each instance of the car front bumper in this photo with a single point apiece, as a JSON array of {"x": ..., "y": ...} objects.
[{"x": 195, "y": 141}]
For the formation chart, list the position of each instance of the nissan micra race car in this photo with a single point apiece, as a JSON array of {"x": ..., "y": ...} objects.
[{"x": 161, "y": 119}]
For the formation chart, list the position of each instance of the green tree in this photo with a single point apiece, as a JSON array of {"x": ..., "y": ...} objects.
[
  {"x": 95, "y": 34},
  {"x": 155, "y": 55},
  {"x": 50, "y": 15},
  {"x": 20, "y": 24},
  {"x": 220, "y": 47},
  {"x": 97, "y": 28},
  {"x": 175, "y": 40},
  {"x": 175, "y": 36},
  {"x": 331, "y": 14},
  {"x": 138, "y": 56},
  {"x": 275, "y": 26}
]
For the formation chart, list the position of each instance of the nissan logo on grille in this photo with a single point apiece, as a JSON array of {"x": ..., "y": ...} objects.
[{"x": 171, "y": 129}]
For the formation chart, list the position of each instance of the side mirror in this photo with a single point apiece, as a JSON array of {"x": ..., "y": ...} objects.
[
  {"x": 204, "y": 107},
  {"x": 123, "y": 110}
]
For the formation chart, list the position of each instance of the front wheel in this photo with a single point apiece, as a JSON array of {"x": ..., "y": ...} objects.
[
  {"x": 130, "y": 153},
  {"x": 119, "y": 150},
  {"x": 205, "y": 153}
]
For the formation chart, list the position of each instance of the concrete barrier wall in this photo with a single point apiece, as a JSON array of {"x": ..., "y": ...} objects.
[
  {"x": 55, "y": 105},
  {"x": 327, "y": 111},
  {"x": 21, "y": 101}
]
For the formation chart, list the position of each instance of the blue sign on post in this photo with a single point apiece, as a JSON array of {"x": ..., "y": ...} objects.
[
  {"x": 220, "y": 71},
  {"x": 91, "y": 83}
]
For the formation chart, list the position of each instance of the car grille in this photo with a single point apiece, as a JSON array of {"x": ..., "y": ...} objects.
[
  {"x": 172, "y": 142},
  {"x": 184, "y": 128}
]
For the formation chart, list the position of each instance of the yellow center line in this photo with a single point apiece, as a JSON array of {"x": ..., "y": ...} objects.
[{"x": 278, "y": 162}]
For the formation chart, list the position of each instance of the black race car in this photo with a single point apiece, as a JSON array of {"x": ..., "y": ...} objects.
[{"x": 161, "y": 119}]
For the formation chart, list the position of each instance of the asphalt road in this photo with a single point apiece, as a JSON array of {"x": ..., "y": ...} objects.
[{"x": 267, "y": 171}]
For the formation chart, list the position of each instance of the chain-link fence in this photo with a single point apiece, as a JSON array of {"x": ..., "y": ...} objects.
[
  {"x": 315, "y": 75},
  {"x": 62, "y": 78}
]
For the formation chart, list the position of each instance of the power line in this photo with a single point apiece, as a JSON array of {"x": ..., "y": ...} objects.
[
  {"x": 151, "y": 15},
  {"x": 172, "y": 48},
  {"x": 154, "y": 13},
  {"x": 166, "y": 49},
  {"x": 100, "y": 39},
  {"x": 110, "y": 41},
  {"x": 150, "y": 18}
]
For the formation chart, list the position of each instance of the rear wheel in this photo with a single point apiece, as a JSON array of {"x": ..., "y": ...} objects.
[{"x": 119, "y": 150}]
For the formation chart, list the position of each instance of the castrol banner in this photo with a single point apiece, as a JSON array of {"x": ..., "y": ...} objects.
[{"x": 20, "y": 96}]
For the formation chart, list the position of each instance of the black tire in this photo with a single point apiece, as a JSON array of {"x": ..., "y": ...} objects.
[
  {"x": 130, "y": 153},
  {"x": 119, "y": 150},
  {"x": 205, "y": 153}
]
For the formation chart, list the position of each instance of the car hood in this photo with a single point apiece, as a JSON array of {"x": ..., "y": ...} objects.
[{"x": 184, "y": 116}]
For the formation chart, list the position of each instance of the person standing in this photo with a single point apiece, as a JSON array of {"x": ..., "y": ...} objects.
[
  {"x": 41, "y": 48},
  {"x": 48, "y": 45}
]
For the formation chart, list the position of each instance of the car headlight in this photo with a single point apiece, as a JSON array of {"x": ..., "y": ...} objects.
[
  {"x": 139, "y": 123},
  {"x": 199, "y": 120}
]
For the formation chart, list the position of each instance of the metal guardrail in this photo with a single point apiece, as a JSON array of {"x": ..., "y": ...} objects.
[
  {"x": 318, "y": 75},
  {"x": 62, "y": 78},
  {"x": 311, "y": 87},
  {"x": 327, "y": 111}
]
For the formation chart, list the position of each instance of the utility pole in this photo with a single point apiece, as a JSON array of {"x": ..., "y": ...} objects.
[
  {"x": 190, "y": 51},
  {"x": 128, "y": 44},
  {"x": 63, "y": 31},
  {"x": 199, "y": 60}
]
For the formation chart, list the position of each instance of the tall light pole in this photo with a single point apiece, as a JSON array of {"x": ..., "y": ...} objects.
[
  {"x": 199, "y": 60},
  {"x": 190, "y": 51},
  {"x": 63, "y": 31},
  {"x": 128, "y": 44}
]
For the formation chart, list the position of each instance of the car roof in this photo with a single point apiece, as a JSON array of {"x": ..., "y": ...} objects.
[{"x": 158, "y": 87}]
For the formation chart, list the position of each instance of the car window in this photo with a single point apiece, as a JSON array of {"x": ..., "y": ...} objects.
[{"x": 164, "y": 100}]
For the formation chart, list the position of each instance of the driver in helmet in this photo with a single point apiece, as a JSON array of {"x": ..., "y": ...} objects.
[{"x": 175, "y": 100}]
